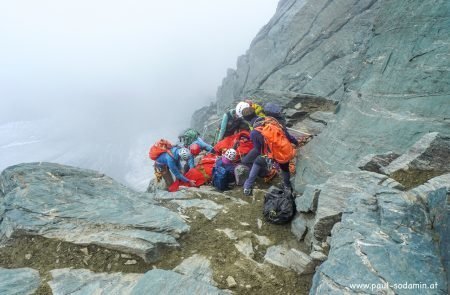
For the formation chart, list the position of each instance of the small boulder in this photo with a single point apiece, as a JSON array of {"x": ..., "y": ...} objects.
[
  {"x": 318, "y": 256},
  {"x": 231, "y": 282},
  {"x": 290, "y": 258}
]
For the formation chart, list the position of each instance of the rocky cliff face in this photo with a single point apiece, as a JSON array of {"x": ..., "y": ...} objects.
[
  {"x": 385, "y": 65},
  {"x": 385, "y": 62}
]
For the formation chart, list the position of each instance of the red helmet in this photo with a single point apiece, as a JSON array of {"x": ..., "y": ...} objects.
[{"x": 195, "y": 149}]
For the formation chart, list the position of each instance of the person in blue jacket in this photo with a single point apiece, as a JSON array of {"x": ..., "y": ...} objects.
[
  {"x": 203, "y": 145},
  {"x": 223, "y": 174},
  {"x": 255, "y": 159},
  {"x": 169, "y": 163}
]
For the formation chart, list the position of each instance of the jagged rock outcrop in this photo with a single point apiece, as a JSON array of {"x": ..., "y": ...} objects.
[
  {"x": 387, "y": 238},
  {"x": 428, "y": 157},
  {"x": 84, "y": 207},
  {"x": 331, "y": 198}
]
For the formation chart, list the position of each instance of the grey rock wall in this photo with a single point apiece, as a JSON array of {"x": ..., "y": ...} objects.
[{"x": 387, "y": 65}]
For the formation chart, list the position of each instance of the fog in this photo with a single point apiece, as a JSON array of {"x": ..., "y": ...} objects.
[{"x": 94, "y": 83}]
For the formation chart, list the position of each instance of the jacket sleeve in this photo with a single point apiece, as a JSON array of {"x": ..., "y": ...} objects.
[
  {"x": 191, "y": 162},
  {"x": 203, "y": 145},
  {"x": 174, "y": 169}
]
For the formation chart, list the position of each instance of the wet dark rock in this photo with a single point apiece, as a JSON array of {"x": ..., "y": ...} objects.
[
  {"x": 427, "y": 158},
  {"x": 84, "y": 207},
  {"x": 374, "y": 163},
  {"x": 19, "y": 281}
]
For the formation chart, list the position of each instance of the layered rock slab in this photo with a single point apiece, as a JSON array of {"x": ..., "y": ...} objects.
[
  {"x": 328, "y": 201},
  {"x": 83, "y": 281},
  {"x": 84, "y": 207},
  {"x": 385, "y": 239},
  {"x": 192, "y": 276},
  {"x": 19, "y": 281}
]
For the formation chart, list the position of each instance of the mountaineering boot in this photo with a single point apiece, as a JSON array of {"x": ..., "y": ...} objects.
[{"x": 248, "y": 192}]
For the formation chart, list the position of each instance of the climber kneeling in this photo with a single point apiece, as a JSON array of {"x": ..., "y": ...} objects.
[
  {"x": 223, "y": 172},
  {"x": 168, "y": 160},
  {"x": 271, "y": 142}
]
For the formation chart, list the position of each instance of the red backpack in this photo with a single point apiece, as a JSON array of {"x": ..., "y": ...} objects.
[
  {"x": 161, "y": 146},
  {"x": 277, "y": 145}
]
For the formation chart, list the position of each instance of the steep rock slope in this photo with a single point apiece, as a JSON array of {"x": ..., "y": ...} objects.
[
  {"x": 386, "y": 66},
  {"x": 386, "y": 62}
]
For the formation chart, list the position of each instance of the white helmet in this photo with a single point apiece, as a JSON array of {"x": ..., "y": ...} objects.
[
  {"x": 230, "y": 154},
  {"x": 184, "y": 153},
  {"x": 240, "y": 106}
]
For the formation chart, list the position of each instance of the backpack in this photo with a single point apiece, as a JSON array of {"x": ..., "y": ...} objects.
[
  {"x": 222, "y": 176},
  {"x": 273, "y": 110},
  {"x": 277, "y": 145},
  {"x": 279, "y": 206},
  {"x": 161, "y": 146}
]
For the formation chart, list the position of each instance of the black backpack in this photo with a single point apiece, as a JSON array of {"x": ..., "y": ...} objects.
[{"x": 279, "y": 206}]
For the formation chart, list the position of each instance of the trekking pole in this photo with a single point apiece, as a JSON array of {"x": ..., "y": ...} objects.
[{"x": 301, "y": 132}]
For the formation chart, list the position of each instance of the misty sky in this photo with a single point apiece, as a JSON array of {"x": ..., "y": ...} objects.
[
  {"x": 90, "y": 74},
  {"x": 115, "y": 61}
]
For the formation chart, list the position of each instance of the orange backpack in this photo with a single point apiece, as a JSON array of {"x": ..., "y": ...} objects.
[
  {"x": 277, "y": 145},
  {"x": 161, "y": 146}
]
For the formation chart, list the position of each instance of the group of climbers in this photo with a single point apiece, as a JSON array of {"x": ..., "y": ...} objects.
[{"x": 251, "y": 142}]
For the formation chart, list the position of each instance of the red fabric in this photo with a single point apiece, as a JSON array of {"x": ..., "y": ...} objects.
[
  {"x": 192, "y": 174},
  {"x": 207, "y": 163},
  {"x": 228, "y": 142},
  {"x": 205, "y": 166}
]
